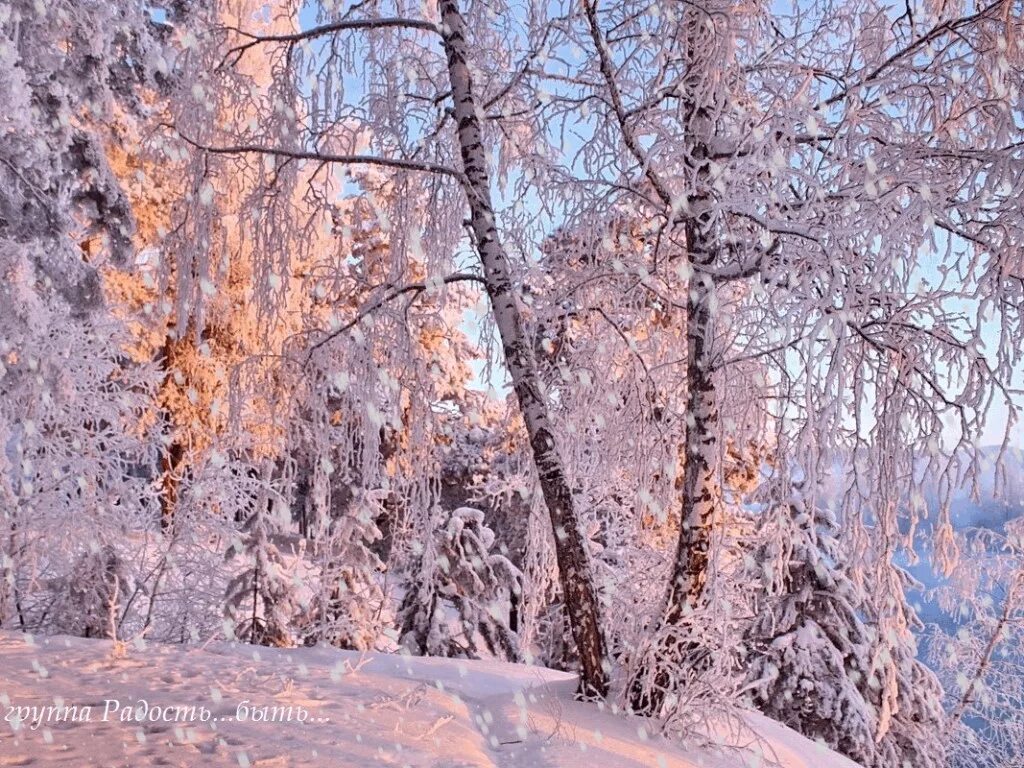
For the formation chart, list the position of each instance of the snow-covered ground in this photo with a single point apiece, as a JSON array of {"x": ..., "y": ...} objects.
[{"x": 236, "y": 705}]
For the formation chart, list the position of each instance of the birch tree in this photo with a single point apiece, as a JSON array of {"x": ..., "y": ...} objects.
[
  {"x": 422, "y": 123},
  {"x": 978, "y": 654},
  {"x": 854, "y": 171}
]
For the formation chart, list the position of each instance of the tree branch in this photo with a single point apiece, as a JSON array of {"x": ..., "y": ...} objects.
[
  {"x": 326, "y": 157},
  {"x": 323, "y": 30},
  {"x": 951, "y": 25},
  {"x": 628, "y": 137},
  {"x": 389, "y": 296}
]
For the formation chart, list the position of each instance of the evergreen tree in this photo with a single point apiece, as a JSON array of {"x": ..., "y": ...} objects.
[
  {"x": 346, "y": 611},
  {"x": 94, "y": 594},
  {"x": 260, "y": 599},
  {"x": 462, "y": 597},
  {"x": 817, "y": 661}
]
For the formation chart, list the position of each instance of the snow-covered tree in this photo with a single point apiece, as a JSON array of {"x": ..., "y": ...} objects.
[
  {"x": 460, "y": 597},
  {"x": 72, "y": 432},
  {"x": 815, "y": 661},
  {"x": 261, "y": 597},
  {"x": 865, "y": 204},
  {"x": 442, "y": 173},
  {"x": 96, "y": 590},
  {"x": 978, "y": 652},
  {"x": 347, "y": 607}
]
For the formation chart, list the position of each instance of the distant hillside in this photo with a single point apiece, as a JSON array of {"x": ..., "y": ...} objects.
[{"x": 988, "y": 511}]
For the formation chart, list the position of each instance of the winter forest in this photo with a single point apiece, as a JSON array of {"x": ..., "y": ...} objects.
[{"x": 643, "y": 373}]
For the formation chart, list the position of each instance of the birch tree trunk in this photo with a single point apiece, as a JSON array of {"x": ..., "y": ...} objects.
[
  {"x": 570, "y": 546},
  {"x": 700, "y": 489},
  {"x": 700, "y": 492},
  {"x": 699, "y": 498}
]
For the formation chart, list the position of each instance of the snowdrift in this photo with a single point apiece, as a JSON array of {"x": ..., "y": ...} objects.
[{"x": 76, "y": 702}]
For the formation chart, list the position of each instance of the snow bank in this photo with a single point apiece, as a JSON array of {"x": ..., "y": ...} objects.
[{"x": 236, "y": 705}]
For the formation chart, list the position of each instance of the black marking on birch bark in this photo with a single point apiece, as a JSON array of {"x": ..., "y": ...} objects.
[
  {"x": 570, "y": 548},
  {"x": 690, "y": 567}
]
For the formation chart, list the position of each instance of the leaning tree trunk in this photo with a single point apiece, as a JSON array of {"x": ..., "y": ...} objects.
[
  {"x": 700, "y": 490},
  {"x": 570, "y": 546}
]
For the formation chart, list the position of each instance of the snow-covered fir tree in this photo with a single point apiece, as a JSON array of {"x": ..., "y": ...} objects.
[
  {"x": 260, "y": 599},
  {"x": 460, "y": 597},
  {"x": 347, "y": 607},
  {"x": 94, "y": 594},
  {"x": 815, "y": 660}
]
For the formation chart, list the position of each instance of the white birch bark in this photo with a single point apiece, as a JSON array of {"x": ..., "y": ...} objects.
[
  {"x": 700, "y": 492},
  {"x": 570, "y": 547}
]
